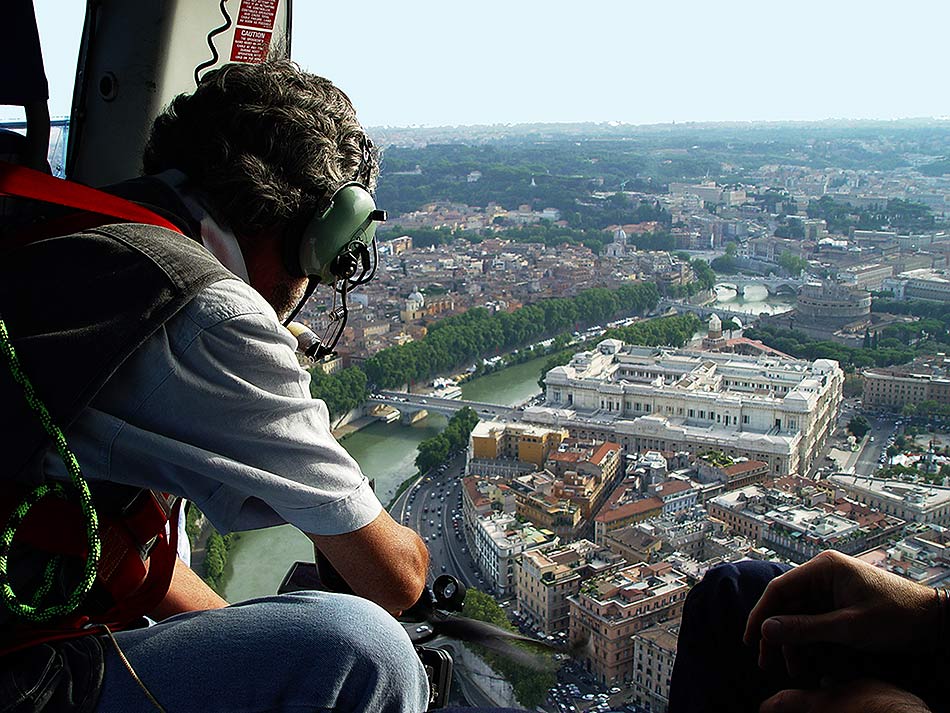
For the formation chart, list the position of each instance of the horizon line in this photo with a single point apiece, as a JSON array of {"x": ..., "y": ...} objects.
[{"x": 613, "y": 123}]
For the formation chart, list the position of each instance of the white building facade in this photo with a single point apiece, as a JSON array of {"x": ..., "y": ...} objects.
[
  {"x": 497, "y": 541},
  {"x": 766, "y": 408}
]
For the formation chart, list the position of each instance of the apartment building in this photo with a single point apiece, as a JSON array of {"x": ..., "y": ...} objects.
[
  {"x": 541, "y": 498},
  {"x": 626, "y": 506},
  {"x": 927, "y": 504},
  {"x": 497, "y": 541},
  {"x": 547, "y": 575},
  {"x": 798, "y": 529},
  {"x": 800, "y": 533},
  {"x": 520, "y": 442},
  {"x": 922, "y": 284},
  {"x": 654, "y": 651},
  {"x": 922, "y": 557},
  {"x": 634, "y": 544},
  {"x": 587, "y": 469},
  {"x": 610, "y": 611},
  {"x": 744, "y": 510},
  {"x": 732, "y": 473},
  {"x": 924, "y": 379},
  {"x": 767, "y": 408},
  {"x": 676, "y": 495},
  {"x": 867, "y": 277}
]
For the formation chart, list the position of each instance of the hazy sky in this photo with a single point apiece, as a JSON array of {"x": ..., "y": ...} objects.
[{"x": 443, "y": 63}]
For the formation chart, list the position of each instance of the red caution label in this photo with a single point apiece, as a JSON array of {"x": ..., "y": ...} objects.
[
  {"x": 250, "y": 45},
  {"x": 258, "y": 13}
]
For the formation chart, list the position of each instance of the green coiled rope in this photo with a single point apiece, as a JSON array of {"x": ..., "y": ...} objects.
[{"x": 33, "y": 610}]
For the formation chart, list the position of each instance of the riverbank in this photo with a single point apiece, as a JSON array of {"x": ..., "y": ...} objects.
[{"x": 357, "y": 424}]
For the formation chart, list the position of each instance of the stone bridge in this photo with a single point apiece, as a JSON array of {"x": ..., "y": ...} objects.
[
  {"x": 775, "y": 285},
  {"x": 408, "y": 404},
  {"x": 705, "y": 311}
]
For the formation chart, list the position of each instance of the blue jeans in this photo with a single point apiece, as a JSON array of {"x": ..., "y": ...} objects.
[{"x": 306, "y": 651}]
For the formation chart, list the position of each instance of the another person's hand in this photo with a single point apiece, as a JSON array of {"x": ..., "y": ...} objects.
[
  {"x": 862, "y": 696},
  {"x": 839, "y": 600}
]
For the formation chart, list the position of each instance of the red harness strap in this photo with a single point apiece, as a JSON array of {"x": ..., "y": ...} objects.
[{"x": 22, "y": 182}]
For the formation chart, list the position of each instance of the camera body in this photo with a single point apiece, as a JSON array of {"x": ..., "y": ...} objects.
[
  {"x": 438, "y": 667},
  {"x": 436, "y": 662}
]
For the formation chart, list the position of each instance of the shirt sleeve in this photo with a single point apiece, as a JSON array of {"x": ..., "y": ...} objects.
[{"x": 215, "y": 407}]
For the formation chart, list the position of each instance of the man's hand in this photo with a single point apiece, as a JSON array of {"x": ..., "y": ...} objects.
[
  {"x": 863, "y": 696},
  {"x": 836, "y": 599},
  {"x": 383, "y": 561}
]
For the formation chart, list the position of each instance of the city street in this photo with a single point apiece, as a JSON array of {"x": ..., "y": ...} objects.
[
  {"x": 881, "y": 428},
  {"x": 866, "y": 461},
  {"x": 433, "y": 508}
]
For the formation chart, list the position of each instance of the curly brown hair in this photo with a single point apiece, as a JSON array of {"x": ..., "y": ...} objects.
[{"x": 263, "y": 143}]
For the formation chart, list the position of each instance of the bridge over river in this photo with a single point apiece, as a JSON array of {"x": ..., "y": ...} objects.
[
  {"x": 705, "y": 311},
  {"x": 408, "y": 404},
  {"x": 784, "y": 286}
]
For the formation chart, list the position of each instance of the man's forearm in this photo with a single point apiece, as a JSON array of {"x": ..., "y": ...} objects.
[
  {"x": 383, "y": 561},
  {"x": 187, "y": 592}
]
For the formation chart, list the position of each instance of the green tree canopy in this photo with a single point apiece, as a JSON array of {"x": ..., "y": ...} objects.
[
  {"x": 858, "y": 426},
  {"x": 530, "y": 684}
]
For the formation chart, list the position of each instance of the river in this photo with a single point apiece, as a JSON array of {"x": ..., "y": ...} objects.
[
  {"x": 755, "y": 299},
  {"x": 386, "y": 452}
]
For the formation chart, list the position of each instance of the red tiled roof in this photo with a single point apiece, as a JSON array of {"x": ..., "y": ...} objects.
[
  {"x": 629, "y": 510},
  {"x": 744, "y": 467},
  {"x": 672, "y": 487},
  {"x": 601, "y": 453},
  {"x": 471, "y": 488},
  {"x": 756, "y": 344}
]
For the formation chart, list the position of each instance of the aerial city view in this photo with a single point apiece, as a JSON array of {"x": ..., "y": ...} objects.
[
  {"x": 636, "y": 324},
  {"x": 674, "y": 363}
]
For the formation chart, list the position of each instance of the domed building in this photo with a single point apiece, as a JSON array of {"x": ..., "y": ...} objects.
[{"x": 414, "y": 307}]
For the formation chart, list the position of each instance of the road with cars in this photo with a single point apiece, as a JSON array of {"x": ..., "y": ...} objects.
[
  {"x": 432, "y": 506},
  {"x": 883, "y": 429}
]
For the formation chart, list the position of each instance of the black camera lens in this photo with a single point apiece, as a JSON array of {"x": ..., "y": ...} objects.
[{"x": 449, "y": 593}]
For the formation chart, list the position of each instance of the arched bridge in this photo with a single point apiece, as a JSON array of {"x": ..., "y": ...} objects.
[
  {"x": 411, "y": 403},
  {"x": 775, "y": 285},
  {"x": 705, "y": 311}
]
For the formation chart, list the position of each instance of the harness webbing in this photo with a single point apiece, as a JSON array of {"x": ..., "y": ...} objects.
[
  {"x": 34, "y": 611},
  {"x": 22, "y": 182}
]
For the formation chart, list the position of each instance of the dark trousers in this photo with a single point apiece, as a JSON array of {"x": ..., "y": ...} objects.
[{"x": 715, "y": 672}]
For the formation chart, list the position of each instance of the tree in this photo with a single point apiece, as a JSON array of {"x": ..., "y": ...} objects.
[
  {"x": 724, "y": 264},
  {"x": 858, "y": 426},
  {"x": 432, "y": 452},
  {"x": 792, "y": 264},
  {"x": 790, "y": 228},
  {"x": 436, "y": 450},
  {"x": 704, "y": 274},
  {"x": 853, "y": 385},
  {"x": 729, "y": 325},
  {"x": 530, "y": 684}
]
